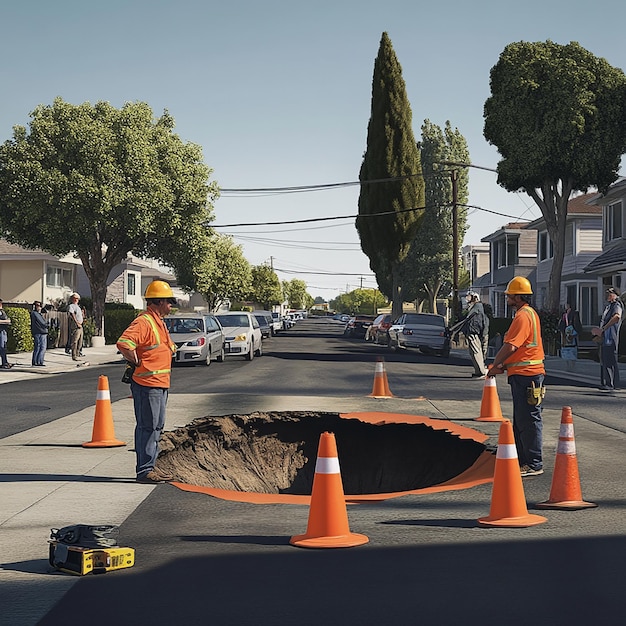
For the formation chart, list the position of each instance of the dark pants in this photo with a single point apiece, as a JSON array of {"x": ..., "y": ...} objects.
[
  {"x": 609, "y": 370},
  {"x": 149, "y": 403},
  {"x": 527, "y": 423}
]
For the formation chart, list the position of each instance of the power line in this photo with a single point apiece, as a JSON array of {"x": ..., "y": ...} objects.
[{"x": 354, "y": 216}]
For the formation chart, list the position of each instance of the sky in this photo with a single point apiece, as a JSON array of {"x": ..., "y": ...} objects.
[{"x": 278, "y": 95}]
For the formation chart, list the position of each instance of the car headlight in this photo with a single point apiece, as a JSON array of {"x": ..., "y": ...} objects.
[
  {"x": 242, "y": 337},
  {"x": 196, "y": 342}
]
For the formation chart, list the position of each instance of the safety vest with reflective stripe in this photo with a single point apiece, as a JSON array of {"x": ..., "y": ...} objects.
[
  {"x": 148, "y": 335},
  {"x": 525, "y": 334}
]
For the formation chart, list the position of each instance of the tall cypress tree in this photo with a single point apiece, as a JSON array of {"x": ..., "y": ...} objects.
[{"x": 391, "y": 156}]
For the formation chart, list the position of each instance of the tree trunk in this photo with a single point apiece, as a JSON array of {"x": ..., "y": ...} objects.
[
  {"x": 396, "y": 304},
  {"x": 553, "y": 204}
]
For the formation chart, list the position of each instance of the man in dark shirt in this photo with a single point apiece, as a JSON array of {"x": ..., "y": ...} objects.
[{"x": 39, "y": 331}]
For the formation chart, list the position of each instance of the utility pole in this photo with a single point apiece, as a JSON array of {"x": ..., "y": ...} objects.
[{"x": 455, "y": 245}]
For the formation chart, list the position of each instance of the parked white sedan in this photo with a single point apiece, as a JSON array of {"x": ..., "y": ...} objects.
[{"x": 242, "y": 334}]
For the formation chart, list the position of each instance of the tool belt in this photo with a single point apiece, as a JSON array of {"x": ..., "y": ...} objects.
[{"x": 535, "y": 395}]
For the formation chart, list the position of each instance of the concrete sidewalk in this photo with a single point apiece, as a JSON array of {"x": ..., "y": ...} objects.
[{"x": 56, "y": 361}]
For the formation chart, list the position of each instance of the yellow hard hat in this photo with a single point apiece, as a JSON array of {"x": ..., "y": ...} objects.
[
  {"x": 158, "y": 289},
  {"x": 519, "y": 286}
]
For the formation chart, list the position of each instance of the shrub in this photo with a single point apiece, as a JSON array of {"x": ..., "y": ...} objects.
[
  {"x": 116, "y": 321},
  {"x": 19, "y": 337}
]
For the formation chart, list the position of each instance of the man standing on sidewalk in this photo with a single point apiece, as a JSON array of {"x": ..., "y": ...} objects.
[
  {"x": 147, "y": 345},
  {"x": 39, "y": 331},
  {"x": 609, "y": 334},
  {"x": 76, "y": 326},
  {"x": 521, "y": 355}
]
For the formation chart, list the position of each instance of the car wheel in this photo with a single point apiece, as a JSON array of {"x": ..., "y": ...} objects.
[
  {"x": 208, "y": 357},
  {"x": 250, "y": 354},
  {"x": 390, "y": 344},
  {"x": 220, "y": 356},
  {"x": 259, "y": 351}
]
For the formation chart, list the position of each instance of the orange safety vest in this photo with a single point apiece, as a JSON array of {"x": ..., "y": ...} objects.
[
  {"x": 525, "y": 334},
  {"x": 148, "y": 335}
]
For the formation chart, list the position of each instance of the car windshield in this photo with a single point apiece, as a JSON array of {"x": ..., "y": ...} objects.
[
  {"x": 262, "y": 320},
  {"x": 419, "y": 319},
  {"x": 183, "y": 325},
  {"x": 233, "y": 320}
]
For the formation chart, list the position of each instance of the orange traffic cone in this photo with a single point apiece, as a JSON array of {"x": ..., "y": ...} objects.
[
  {"x": 381, "y": 386},
  {"x": 508, "y": 503},
  {"x": 565, "y": 492},
  {"x": 103, "y": 434},
  {"x": 328, "y": 517},
  {"x": 490, "y": 410}
]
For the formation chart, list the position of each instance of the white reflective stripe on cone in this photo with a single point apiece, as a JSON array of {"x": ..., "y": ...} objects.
[
  {"x": 327, "y": 465},
  {"x": 566, "y": 447},
  {"x": 506, "y": 451},
  {"x": 103, "y": 394},
  {"x": 566, "y": 431}
]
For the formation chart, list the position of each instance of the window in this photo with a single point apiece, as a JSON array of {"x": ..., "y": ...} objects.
[
  {"x": 546, "y": 248},
  {"x": 613, "y": 221},
  {"x": 506, "y": 252},
  {"x": 58, "y": 277},
  {"x": 130, "y": 287},
  {"x": 588, "y": 305}
]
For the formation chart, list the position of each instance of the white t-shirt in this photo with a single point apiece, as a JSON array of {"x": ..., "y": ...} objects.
[{"x": 76, "y": 311}]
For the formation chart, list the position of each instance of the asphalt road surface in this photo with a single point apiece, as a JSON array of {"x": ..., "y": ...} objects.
[{"x": 203, "y": 560}]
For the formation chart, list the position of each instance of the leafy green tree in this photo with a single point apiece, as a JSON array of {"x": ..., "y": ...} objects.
[
  {"x": 557, "y": 115},
  {"x": 392, "y": 189},
  {"x": 223, "y": 274},
  {"x": 102, "y": 182},
  {"x": 296, "y": 294},
  {"x": 365, "y": 301},
  {"x": 266, "y": 288},
  {"x": 428, "y": 266}
]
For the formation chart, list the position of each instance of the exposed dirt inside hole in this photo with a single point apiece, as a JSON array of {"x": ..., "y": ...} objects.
[{"x": 276, "y": 452}]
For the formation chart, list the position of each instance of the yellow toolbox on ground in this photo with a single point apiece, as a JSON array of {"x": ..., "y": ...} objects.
[{"x": 81, "y": 561}]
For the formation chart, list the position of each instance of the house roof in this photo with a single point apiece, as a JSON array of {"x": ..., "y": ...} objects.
[
  {"x": 11, "y": 251},
  {"x": 503, "y": 229},
  {"x": 610, "y": 260},
  {"x": 615, "y": 191},
  {"x": 582, "y": 205}
]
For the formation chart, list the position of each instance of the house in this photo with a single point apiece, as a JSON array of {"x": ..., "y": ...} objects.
[
  {"x": 583, "y": 243},
  {"x": 610, "y": 265},
  {"x": 475, "y": 260},
  {"x": 27, "y": 275},
  {"x": 512, "y": 252}
]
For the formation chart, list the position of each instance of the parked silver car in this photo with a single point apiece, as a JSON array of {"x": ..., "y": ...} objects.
[
  {"x": 199, "y": 338},
  {"x": 425, "y": 331}
]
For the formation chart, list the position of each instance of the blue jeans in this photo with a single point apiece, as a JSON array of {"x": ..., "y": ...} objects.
[
  {"x": 40, "y": 341},
  {"x": 527, "y": 424},
  {"x": 3, "y": 347},
  {"x": 149, "y": 403}
]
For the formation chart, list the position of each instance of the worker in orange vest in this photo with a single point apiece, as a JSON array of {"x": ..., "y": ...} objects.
[
  {"x": 146, "y": 344},
  {"x": 521, "y": 355}
]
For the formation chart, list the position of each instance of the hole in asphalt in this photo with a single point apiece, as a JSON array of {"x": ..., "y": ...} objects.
[{"x": 276, "y": 452}]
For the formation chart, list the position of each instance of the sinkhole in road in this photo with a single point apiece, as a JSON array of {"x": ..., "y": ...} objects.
[{"x": 275, "y": 452}]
